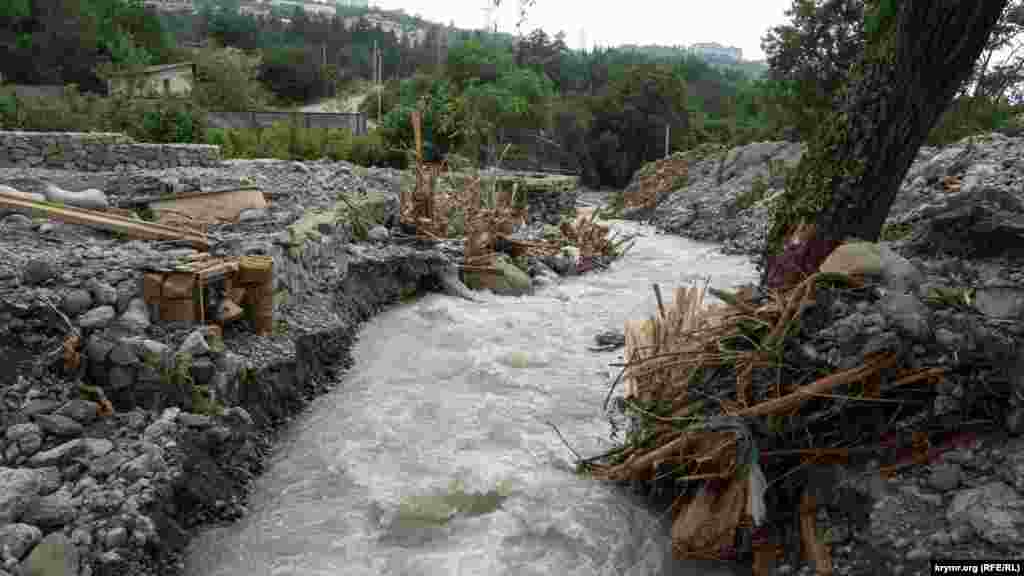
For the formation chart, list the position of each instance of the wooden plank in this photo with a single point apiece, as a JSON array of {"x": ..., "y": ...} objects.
[
  {"x": 213, "y": 206},
  {"x": 165, "y": 197},
  {"x": 103, "y": 221}
]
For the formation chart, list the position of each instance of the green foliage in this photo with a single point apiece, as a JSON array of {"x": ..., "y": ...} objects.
[
  {"x": 756, "y": 192},
  {"x": 167, "y": 120},
  {"x": 971, "y": 115},
  {"x": 288, "y": 140}
]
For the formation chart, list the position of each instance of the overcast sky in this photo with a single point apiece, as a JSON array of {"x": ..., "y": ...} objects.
[{"x": 739, "y": 23}]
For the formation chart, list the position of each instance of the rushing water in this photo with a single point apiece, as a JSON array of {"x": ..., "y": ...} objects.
[{"x": 434, "y": 455}]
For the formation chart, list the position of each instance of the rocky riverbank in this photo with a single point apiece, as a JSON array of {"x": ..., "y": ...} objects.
[
  {"x": 120, "y": 435},
  {"x": 946, "y": 291}
]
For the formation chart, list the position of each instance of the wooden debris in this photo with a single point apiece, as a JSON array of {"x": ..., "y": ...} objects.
[{"x": 104, "y": 221}]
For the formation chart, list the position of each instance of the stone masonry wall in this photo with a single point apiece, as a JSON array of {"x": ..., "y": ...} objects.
[{"x": 98, "y": 151}]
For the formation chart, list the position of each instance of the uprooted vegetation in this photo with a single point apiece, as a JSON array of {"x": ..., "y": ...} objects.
[{"x": 727, "y": 406}]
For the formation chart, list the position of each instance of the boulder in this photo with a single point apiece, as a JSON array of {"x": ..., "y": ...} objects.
[{"x": 51, "y": 512}]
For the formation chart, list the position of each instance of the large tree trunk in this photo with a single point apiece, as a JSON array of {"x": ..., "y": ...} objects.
[{"x": 846, "y": 183}]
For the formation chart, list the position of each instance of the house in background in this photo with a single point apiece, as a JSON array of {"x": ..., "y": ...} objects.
[{"x": 154, "y": 81}]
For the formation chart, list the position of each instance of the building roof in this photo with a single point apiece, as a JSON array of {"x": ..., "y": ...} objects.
[{"x": 154, "y": 69}]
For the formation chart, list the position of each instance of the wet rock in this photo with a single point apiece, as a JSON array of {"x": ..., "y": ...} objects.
[
  {"x": 55, "y": 555},
  {"x": 992, "y": 511},
  {"x": 97, "y": 317},
  {"x": 116, "y": 537},
  {"x": 142, "y": 466},
  {"x": 77, "y": 301},
  {"x": 19, "y": 491},
  {"x": 126, "y": 291},
  {"x": 18, "y": 539},
  {"x": 59, "y": 425}
]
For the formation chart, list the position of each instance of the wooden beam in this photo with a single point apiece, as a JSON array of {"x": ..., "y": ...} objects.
[{"x": 104, "y": 221}]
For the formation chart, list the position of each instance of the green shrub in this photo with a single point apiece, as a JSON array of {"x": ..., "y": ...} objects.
[{"x": 758, "y": 189}]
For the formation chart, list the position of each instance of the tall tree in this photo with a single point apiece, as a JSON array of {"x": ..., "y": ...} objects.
[{"x": 917, "y": 55}]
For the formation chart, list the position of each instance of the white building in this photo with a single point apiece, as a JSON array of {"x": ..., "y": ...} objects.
[{"x": 716, "y": 50}]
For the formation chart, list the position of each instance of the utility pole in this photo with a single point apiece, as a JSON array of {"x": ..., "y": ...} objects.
[
  {"x": 668, "y": 128},
  {"x": 380, "y": 82}
]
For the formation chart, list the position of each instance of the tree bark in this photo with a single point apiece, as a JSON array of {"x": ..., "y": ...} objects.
[{"x": 847, "y": 181}]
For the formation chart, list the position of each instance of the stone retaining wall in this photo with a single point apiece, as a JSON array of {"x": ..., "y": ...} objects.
[{"x": 98, "y": 151}]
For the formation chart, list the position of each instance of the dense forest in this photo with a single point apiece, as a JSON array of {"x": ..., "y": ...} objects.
[{"x": 521, "y": 101}]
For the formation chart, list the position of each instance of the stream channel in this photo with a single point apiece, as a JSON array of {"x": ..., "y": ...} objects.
[{"x": 434, "y": 456}]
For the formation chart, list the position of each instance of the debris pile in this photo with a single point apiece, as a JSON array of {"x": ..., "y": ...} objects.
[
  {"x": 493, "y": 217},
  {"x": 655, "y": 179},
  {"x": 727, "y": 406}
]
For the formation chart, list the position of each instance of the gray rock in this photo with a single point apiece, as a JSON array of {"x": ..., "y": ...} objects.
[
  {"x": 107, "y": 464},
  {"x": 81, "y": 410},
  {"x": 907, "y": 313},
  {"x": 378, "y": 234},
  {"x": 18, "y": 539},
  {"x": 120, "y": 377},
  {"x": 126, "y": 291},
  {"x": 77, "y": 301},
  {"x": 142, "y": 466},
  {"x": 54, "y": 556},
  {"x": 51, "y": 512},
  {"x": 136, "y": 316},
  {"x": 252, "y": 214},
  {"x": 899, "y": 273},
  {"x": 993, "y": 512},
  {"x": 16, "y": 222},
  {"x": 97, "y": 348},
  {"x": 19, "y": 431},
  {"x": 151, "y": 349},
  {"x": 40, "y": 406},
  {"x": 19, "y": 490},
  {"x": 116, "y": 537},
  {"x": 1000, "y": 301},
  {"x": 125, "y": 352},
  {"x": 97, "y": 317},
  {"x": 52, "y": 480},
  {"x": 80, "y": 447},
  {"x": 194, "y": 420},
  {"x": 195, "y": 344},
  {"x": 38, "y": 271},
  {"x": 202, "y": 371},
  {"x": 59, "y": 425},
  {"x": 944, "y": 477},
  {"x": 102, "y": 293}
]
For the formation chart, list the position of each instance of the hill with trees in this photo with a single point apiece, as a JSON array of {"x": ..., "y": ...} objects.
[{"x": 522, "y": 101}]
